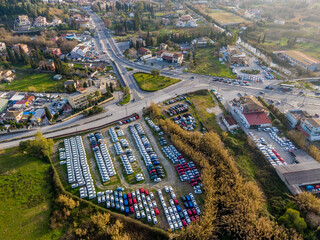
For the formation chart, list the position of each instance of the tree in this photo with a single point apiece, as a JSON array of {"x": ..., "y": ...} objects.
[
  {"x": 111, "y": 87},
  {"x": 291, "y": 219},
  {"x": 85, "y": 85},
  {"x": 66, "y": 60},
  {"x": 97, "y": 94},
  {"x": 276, "y": 123},
  {"x": 48, "y": 113}
]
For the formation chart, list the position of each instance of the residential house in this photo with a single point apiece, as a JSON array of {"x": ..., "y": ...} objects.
[
  {"x": 186, "y": 18},
  {"x": 24, "y": 47},
  {"x": 80, "y": 50},
  {"x": 47, "y": 66},
  {"x": 251, "y": 112},
  {"x": 79, "y": 99},
  {"x": 230, "y": 123},
  {"x": 202, "y": 42},
  {"x": 165, "y": 21},
  {"x": 70, "y": 82},
  {"x": 56, "y": 22},
  {"x": 7, "y": 76},
  {"x": 296, "y": 116},
  {"x": 163, "y": 46},
  {"x": 140, "y": 41},
  {"x": 53, "y": 51},
  {"x": 2, "y": 46},
  {"x": 29, "y": 99},
  {"x": 143, "y": 51},
  {"x": 311, "y": 126},
  {"x": 13, "y": 115},
  {"x": 171, "y": 57},
  {"x": 22, "y": 23},
  {"x": 235, "y": 56},
  {"x": 40, "y": 22}
]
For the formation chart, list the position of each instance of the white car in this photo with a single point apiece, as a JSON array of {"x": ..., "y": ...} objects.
[
  {"x": 138, "y": 216},
  {"x": 171, "y": 227},
  {"x": 170, "y": 189},
  {"x": 152, "y": 212},
  {"x": 155, "y": 221},
  {"x": 143, "y": 215},
  {"x": 140, "y": 206},
  {"x": 149, "y": 218},
  {"x": 154, "y": 204},
  {"x": 176, "y": 225},
  {"x": 151, "y": 195},
  {"x": 166, "y": 189}
]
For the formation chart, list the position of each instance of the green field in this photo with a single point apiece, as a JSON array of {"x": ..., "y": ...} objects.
[
  {"x": 33, "y": 82},
  {"x": 26, "y": 197},
  {"x": 150, "y": 83},
  {"x": 207, "y": 64}
]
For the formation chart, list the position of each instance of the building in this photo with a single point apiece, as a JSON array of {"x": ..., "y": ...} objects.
[
  {"x": 38, "y": 116},
  {"x": 23, "y": 22},
  {"x": 139, "y": 41},
  {"x": 24, "y": 47},
  {"x": 13, "y": 116},
  {"x": 47, "y": 66},
  {"x": 202, "y": 42},
  {"x": 163, "y": 46},
  {"x": 16, "y": 97},
  {"x": 70, "y": 82},
  {"x": 7, "y": 76},
  {"x": 143, "y": 51},
  {"x": 235, "y": 56},
  {"x": 230, "y": 123},
  {"x": 2, "y": 46},
  {"x": 56, "y": 22},
  {"x": 186, "y": 18},
  {"x": 20, "y": 104},
  {"x": 171, "y": 57},
  {"x": 295, "y": 116},
  {"x": 3, "y": 104},
  {"x": 29, "y": 99},
  {"x": 79, "y": 99},
  {"x": 251, "y": 112},
  {"x": 40, "y": 22},
  {"x": 80, "y": 50},
  {"x": 53, "y": 51},
  {"x": 300, "y": 59},
  {"x": 311, "y": 126}
]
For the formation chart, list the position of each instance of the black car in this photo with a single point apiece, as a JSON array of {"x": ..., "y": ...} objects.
[
  {"x": 186, "y": 205},
  {"x": 183, "y": 198}
]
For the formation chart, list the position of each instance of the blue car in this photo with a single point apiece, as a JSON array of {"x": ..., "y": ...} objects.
[
  {"x": 126, "y": 210},
  {"x": 124, "y": 196},
  {"x": 125, "y": 202},
  {"x": 191, "y": 205},
  {"x": 188, "y": 198},
  {"x": 178, "y": 208}
]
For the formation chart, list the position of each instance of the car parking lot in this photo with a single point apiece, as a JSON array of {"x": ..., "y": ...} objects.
[
  {"x": 277, "y": 152},
  {"x": 141, "y": 144}
]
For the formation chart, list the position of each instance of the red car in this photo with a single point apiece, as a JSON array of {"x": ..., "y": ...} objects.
[
  {"x": 129, "y": 195},
  {"x": 189, "y": 212},
  {"x": 197, "y": 217},
  {"x": 141, "y": 190},
  {"x": 184, "y": 222},
  {"x": 131, "y": 209},
  {"x": 194, "y": 184},
  {"x": 156, "y": 211},
  {"x": 175, "y": 202},
  {"x": 137, "y": 117},
  {"x": 146, "y": 192},
  {"x": 192, "y": 219},
  {"x": 194, "y": 212},
  {"x": 130, "y": 201},
  {"x": 134, "y": 200}
]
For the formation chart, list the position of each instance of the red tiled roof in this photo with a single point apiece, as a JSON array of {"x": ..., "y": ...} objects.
[
  {"x": 257, "y": 118},
  {"x": 21, "y": 102},
  {"x": 303, "y": 131},
  {"x": 230, "y": 120}
]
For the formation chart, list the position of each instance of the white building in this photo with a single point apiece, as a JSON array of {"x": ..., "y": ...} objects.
[
  {"x": 295, "y": 117},
  {"x": 80, "y": 50},
  {"x": 312, "y": 127},
  {"x": 40, "y": 22}
]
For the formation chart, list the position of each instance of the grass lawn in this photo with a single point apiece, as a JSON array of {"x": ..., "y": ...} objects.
[
  {"x": 126, "y": 99},
  {"x": 25, "y": 187},
  {"x": 33, "y": 82},
  {"x": 149, "y": 83},
  {"x": 207, "y": 64},
  {"x": 202, "y": 101}
]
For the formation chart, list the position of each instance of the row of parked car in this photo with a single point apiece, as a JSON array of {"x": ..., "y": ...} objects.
[
  {"x": 187, "y": 171},
  {"x": 270, "y": 153},
  {"x": 176, "y": 99},
  {"x": 140, "y": 202},
  {"x": 152, "y": 125},
  {"x": 126, "y": 164},
  {"x": 102, "y": 156},
  {"x": 78, "y": 171},
  {"x": 283, "y": 142},
  {"x": 149, "y": 156},
  {"x": 113, "y": 135},
  {"x": 185, "y": 121},
  {"x": 118, "y": 148},
  {"x": 177, "y": 109},
  {"x": 128, "y": 120}
]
